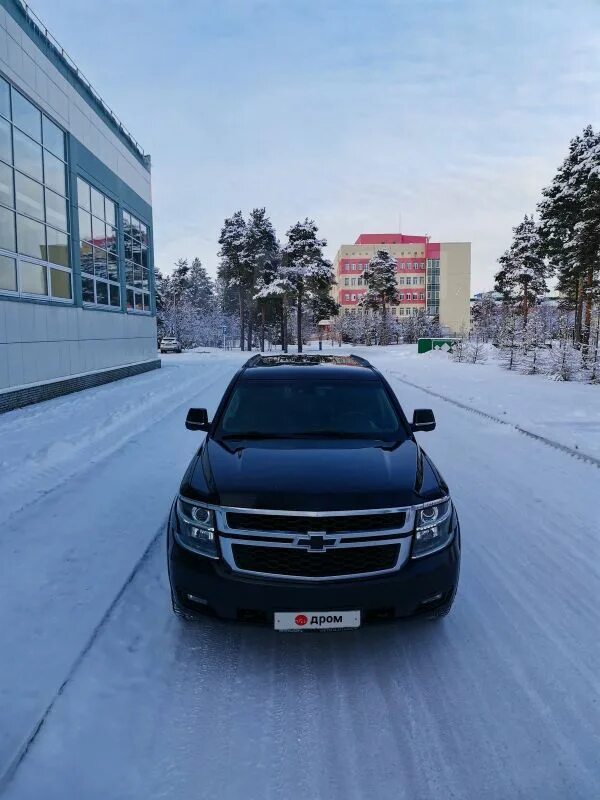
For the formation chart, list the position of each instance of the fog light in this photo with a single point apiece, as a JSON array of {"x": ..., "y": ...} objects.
[
  {"x": 200, "y": 600},
  {"x": 432, "y": 599}
]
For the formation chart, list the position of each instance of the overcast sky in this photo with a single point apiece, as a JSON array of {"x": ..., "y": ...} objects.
[{"x": 446, "y": 117}]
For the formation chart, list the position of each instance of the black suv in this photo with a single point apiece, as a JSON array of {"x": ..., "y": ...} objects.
[{"x": 310, "y": 503}]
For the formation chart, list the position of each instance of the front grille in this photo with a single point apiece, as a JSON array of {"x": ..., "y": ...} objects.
[
  {"x": 301, "y": 563},
  {"x": 331, "y": 524}
]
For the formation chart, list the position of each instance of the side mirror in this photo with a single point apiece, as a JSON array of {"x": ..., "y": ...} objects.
[
  {"x": 197, "y": 420},
  {"x": 423, "y": 420}
]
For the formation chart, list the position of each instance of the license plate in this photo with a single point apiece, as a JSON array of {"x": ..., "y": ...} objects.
[{"x": 316, "y": 620}]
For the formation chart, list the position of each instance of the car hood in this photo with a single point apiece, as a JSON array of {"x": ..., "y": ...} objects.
[{"x": 311, "y": 476}]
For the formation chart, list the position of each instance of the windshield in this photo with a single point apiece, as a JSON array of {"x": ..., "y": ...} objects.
[{"x": 315, "y": 409}]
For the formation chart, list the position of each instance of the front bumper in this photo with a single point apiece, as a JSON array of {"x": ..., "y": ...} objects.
[{"x": 227, "y": 594}]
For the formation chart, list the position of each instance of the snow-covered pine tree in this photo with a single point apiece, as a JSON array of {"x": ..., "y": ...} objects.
[
  {"x": 510, "y": 340},
  {"x": 564, "y": 361},
  {"x": 201, "y": 290},
  {"x": 262, "y": 257},
  {"x": 523, "y": 270},
  {"x": 533, "y": 357},
  {"x": 569, "y": 227},
  {"x": 305, "y": 267},
  {"x": 234, "y": 270},
  {"x": 380, "y": 277},
  {"x": 486, "y": 316}
]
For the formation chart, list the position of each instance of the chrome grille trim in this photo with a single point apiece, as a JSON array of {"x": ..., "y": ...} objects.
[{"x": 402, "y": 536}]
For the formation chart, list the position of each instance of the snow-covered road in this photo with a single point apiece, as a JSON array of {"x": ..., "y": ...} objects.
[{"x": 500, "y": 700}]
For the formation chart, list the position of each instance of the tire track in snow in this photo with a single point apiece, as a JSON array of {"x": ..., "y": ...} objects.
[{"x": 545, "y": 440}]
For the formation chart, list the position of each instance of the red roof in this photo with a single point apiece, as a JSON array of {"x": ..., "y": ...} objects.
[{"x": 390, "y": 238}]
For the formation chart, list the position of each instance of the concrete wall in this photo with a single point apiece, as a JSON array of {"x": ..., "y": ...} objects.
[
  {"x": 40, "y": 342},
  {"x": 455, "y": 285}
]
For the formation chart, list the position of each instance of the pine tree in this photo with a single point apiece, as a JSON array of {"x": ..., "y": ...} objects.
[
  {"x": 510, "y": 339},
  {"x": 485, "y": 314},
  {"x": 201, "y": 290},
  {"x": 262, "y": 256},
  {"x": 304, "y": 268},
  {"x": 533, "y": 359},
  {"x": 569, "y": 227},
  {"x": 380, "y": 277},
  {"x": 564, "y": 362},
  {"x": 523, "y": 269},
  {"x": 234, "y": 270}
]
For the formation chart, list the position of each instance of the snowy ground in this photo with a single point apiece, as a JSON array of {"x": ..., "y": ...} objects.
[{"x": 498, "y": 701}]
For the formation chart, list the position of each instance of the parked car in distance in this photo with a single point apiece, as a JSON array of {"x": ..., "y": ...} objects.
[
  {"x": 169, "y": 344},
  {"x": 310, "y": 504}
]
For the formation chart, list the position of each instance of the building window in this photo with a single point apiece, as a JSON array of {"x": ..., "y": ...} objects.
[
  {"x": 354, "y": 297},
  {"x": 401, "y": 280},
  {"x": 360, "y": 281},
  {"x": 401, "y": 297},
  {"x": 422, "y": 296},
  {"x": 353, "y": 282},
  {"x": 346, "y": 296},
  {"x": 346, "y": 281},
  {"x": 137, "y": 268},
  {"x": 401, "y": 311},
  {"x": 98, "y": 250},
  {"x": 34, "y": 222},
  {"x": 422, "y": 280}
]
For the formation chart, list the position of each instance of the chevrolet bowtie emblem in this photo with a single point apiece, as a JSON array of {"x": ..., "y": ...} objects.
[{"x": 317, "y": 542}]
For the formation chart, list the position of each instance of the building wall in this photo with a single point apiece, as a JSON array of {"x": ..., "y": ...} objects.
[
  {"x": 414, "y": 254},
  {"x": 43, "y": 339},
  {"x": 455, "y": 285}
]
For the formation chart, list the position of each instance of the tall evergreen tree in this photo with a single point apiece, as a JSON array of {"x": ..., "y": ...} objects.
[
  {"x": 380, "y": 277},
  {"x": 201, "y": 290},
  {"x": 234, "y": 270},
  {"x": 523, "y": 269},
  {"x": 570, "y": 227},
  {"x": 262, "y": 257},
  {"x": 304, "y": 267}
]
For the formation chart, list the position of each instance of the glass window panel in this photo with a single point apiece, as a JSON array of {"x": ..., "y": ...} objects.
[
  {"x": 8, "y": 274},
  {"x": 7, "y": 195},
  {"x": 58, "y": 247},
  {"x": 87, "y": 288},
  {"x": 33, "y": 278},
  {"x": 100, "y": 265},
  {"x": 98, "y": 232},
  {"x": 60, "y": 284},
  {"x": 146, "y": 301},
  {"x": 129, "y": 273},
  {"x": 85, "y": 224},
  {"x": 129, "y": 298},
  {"x": 145, "y": 279},
  {"x": 143, "y": 233},
  {"x": 7, "y": 229},
  {"x": 54, "y": 138},
  {"x": 26, "y": 116},
  {"x": 110, "y": 212},
  {"x": 145, "y": 262},
  {"x": 83, "y": 194},
  {"x": 86, "y": 257},
  {"x": 111, "y": 238},
  {"x": 4, "y": 98},
  {"x": 5, "y": 141},
  {"x": 31, "y": 237},
  {"x": 97, "y": 203},
  {"x": 113, "y": 267},
  {"x": 126, "y": 220},
  {"x": 28, "y": 154},
  {"x": 137, "y": 254},
  {"x": 115, "y": 295},
  {"x": 102, "y": 293},
  {"x": 139, "y": 305},
  {"x": 137, "y": 275},
  {"x": 30, "y": 196},
  {"x": 128, "y": 245},
  {"x": 54, "y": 172}
]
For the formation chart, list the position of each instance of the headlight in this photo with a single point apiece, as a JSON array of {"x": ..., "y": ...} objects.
[
  {"x": 197, "y": 527},
  {"x": 433, "y": 529}
]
